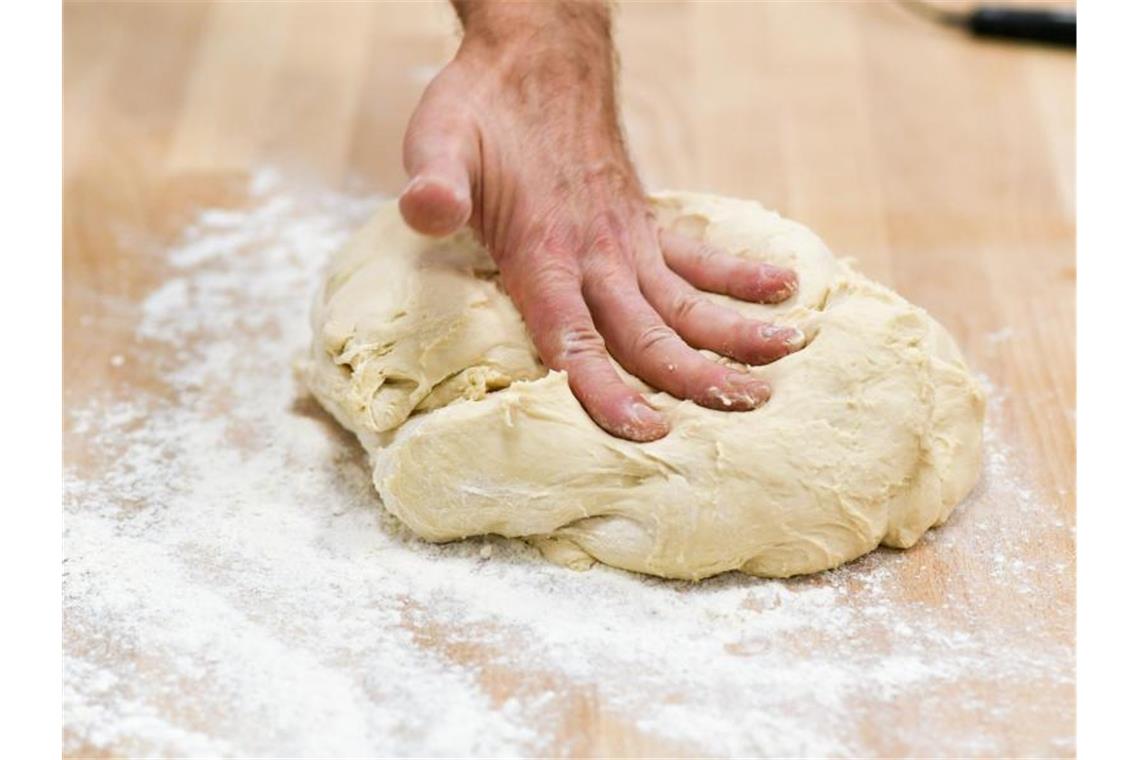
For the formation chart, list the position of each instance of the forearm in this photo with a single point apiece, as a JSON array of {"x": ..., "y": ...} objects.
[
  {"x": 553, "y": 62},
  {"x": 560, "y": 45},
  {"x": 582, "y": 23}
]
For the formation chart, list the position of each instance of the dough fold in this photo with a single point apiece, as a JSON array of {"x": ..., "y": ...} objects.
[{"x": 872, "y": 434}]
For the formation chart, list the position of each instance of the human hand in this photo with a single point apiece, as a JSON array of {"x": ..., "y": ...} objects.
[{"x": 519, "y": 137}]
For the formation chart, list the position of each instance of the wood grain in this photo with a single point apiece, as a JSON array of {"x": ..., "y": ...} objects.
[{"x": 944, "y": 165}]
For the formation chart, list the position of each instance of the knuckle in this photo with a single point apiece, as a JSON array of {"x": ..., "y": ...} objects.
[
  {"x": 606, "y": 245},
  {"x": 608, "y": 238},
  {"x": 706, "y": 255},
  {"x": 579, "y": 342},
  {"x": 609, "y": 234},
  {"x": 685, "y": 305},
  {"x": 653, "y": 337},
  {"x": 607, "y": 277}
]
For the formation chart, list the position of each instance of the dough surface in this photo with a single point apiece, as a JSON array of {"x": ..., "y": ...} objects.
[{"x": 872, "y": 434}]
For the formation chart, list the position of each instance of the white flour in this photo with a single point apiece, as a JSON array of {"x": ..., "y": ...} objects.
[{"x": 233, "y": 586}]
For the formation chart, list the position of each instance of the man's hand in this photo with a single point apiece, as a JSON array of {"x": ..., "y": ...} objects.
[{"x": 519, "y": 137}]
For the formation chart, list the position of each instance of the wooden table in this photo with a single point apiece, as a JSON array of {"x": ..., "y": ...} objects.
[{"x": 944, "y": 165}]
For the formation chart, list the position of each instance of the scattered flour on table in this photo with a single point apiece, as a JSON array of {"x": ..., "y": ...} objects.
[{"x": 232, "y": 584}]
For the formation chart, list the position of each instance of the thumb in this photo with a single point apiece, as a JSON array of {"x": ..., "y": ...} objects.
[{"x": 439, "y": 155}]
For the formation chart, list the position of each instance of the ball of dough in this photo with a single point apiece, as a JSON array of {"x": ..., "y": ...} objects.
[{"x": 872, "y": 434}]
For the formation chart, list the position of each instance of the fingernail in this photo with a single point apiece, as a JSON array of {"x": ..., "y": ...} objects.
[
  {"x": 433, "y": 206},
  {"x": 419, "y": 181},
  {"x": 413, "y": 183},
  {"x": 747, "y": 388},
  {"x": 791, "y": 337},
  {"x": 788, "y": 284},
  {"x": 771, "y": 331},
  {"x": 645, "y": 414},
  {"x": 649, "y": 424}
]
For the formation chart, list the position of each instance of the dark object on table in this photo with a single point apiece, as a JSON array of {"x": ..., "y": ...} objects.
[{"x": 1041, "y": 25}]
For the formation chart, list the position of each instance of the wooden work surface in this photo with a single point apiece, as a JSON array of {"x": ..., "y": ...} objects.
[{"x": 945, "y": 166}]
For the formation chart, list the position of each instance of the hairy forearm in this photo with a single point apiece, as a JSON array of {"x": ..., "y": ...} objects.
[
  {"x": 553, "y": 22},
  {"x": 553, "y": 59},
  {"x": 561, "y": 43}
]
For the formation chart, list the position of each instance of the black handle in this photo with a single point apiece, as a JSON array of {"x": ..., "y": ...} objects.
[{"x": 1053, "y": 27}]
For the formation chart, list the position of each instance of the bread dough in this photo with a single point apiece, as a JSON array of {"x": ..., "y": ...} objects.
[{"x": 872, "y": 434}]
